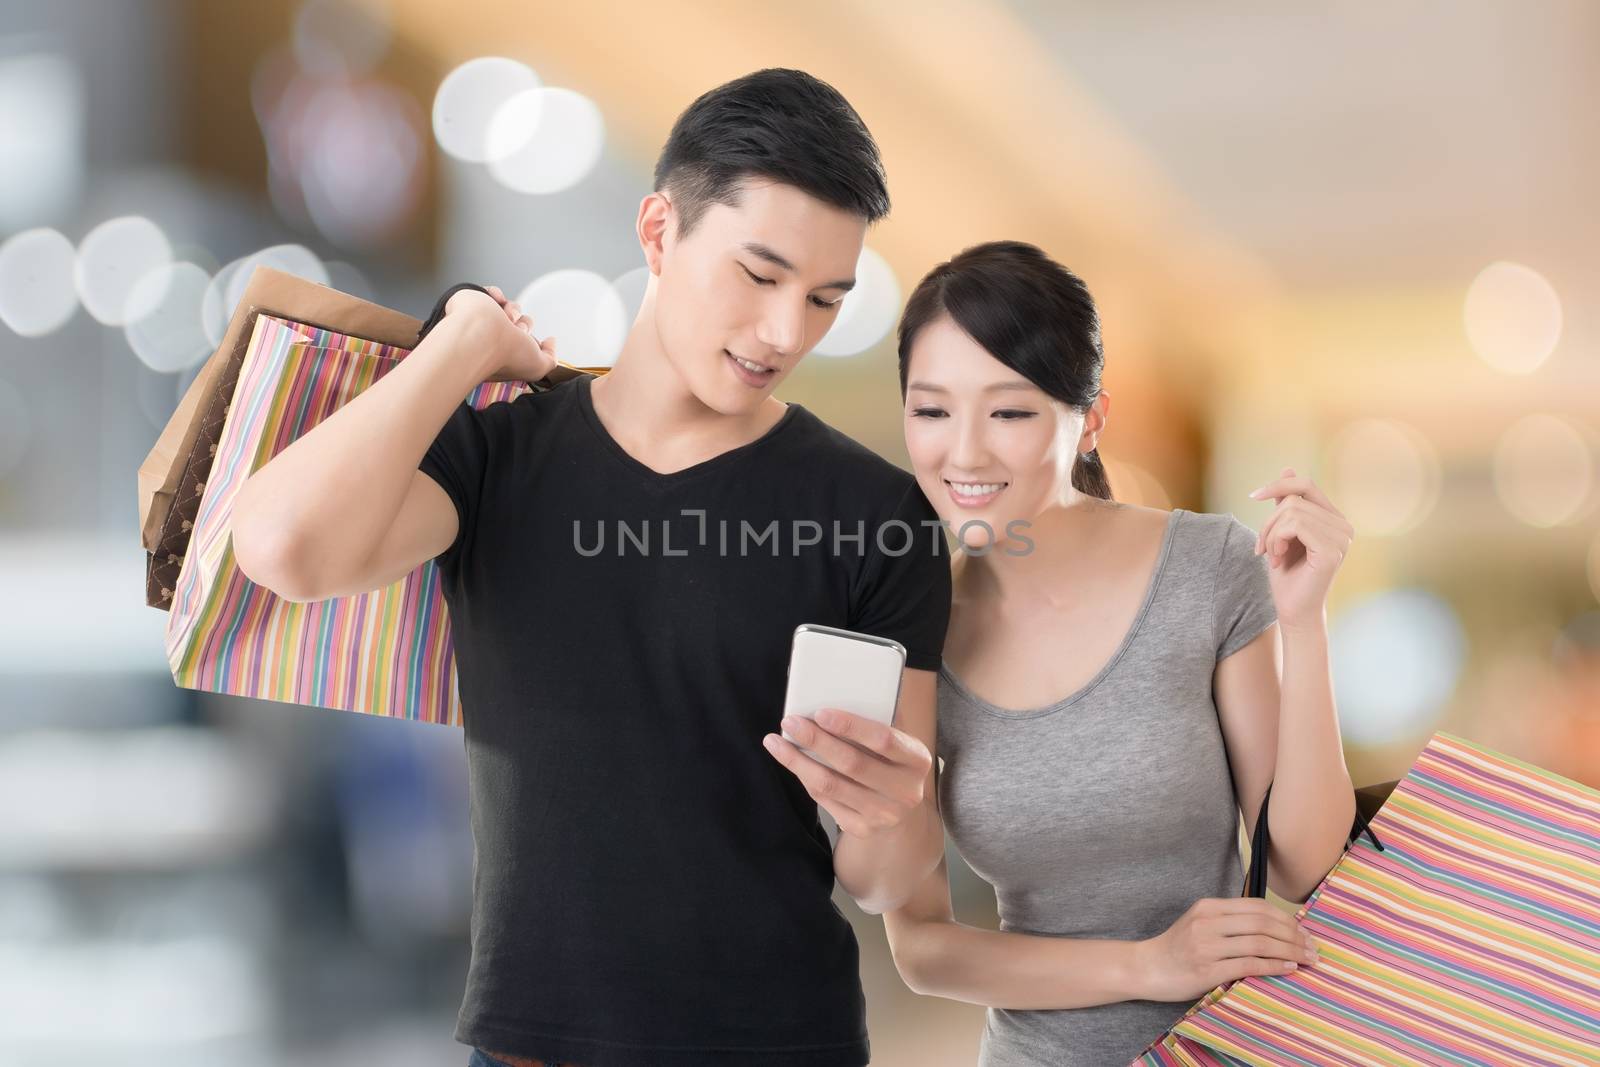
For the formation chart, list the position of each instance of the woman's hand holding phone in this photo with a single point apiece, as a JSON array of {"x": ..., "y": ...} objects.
[{"x": 875, "y": 774}]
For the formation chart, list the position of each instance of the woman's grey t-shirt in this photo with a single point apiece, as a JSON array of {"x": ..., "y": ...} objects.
[{"x": 1110, "y": 812}]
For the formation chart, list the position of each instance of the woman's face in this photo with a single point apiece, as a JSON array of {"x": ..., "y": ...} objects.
[{"x": 987, "y": 445}]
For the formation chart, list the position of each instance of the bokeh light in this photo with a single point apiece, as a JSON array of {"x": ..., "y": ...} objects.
[
  {"x": 1544, "y": 470},
  {"x": 1397, "y": 656},
  {"x": 170, "y": 335},
  {"x": 229, "y": 283},
  {"x": 630, "y": 289},
  {"x": 1512, "y": 317},
  {"x": 339, "y": 39},
  {"x": 869, "y": 310},
  {"x": 359, "y": 167},
  {"x": 468, "y": 99},
  {"x": 582, "y": 311},
  {"x": 545, "y": 140},
  {"x": 1385, "y": 475},
  {"x": 16, "y": 427},
  {"x": 37, "y": 292},
  {"x": 215, "y": 311},
  {"x": 42, "y": 139},
  {"x": 345, "y": 148},
  {"x": 112, "y": 259}
]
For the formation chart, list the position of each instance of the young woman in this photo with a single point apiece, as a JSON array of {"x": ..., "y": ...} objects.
[{"x": 1112, "y": 697}]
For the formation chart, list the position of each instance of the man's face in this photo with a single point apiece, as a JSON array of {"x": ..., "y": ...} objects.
[{"x": 760, "y": 281}]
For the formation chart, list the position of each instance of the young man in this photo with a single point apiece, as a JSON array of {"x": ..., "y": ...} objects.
[{"x": 625, "y": 560}]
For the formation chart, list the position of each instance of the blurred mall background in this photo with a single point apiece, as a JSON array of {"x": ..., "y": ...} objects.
[{"x": 1358, "y": 240}]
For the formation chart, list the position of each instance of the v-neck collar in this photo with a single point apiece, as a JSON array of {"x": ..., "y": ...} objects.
[
  {"x": 657, "y": 479},
  {"x": 1100, "y": 676}
]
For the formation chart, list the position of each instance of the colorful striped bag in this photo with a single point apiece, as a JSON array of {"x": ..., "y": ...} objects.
[
  {"x": 1472, "y": 938},
  {"x": 386, "y": 652}
]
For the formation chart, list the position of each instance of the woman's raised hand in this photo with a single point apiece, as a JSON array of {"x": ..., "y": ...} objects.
[{"x": 1305, "y": 540}]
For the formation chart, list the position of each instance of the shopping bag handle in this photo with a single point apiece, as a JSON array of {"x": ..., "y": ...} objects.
[
  {"x": 1255, "y": 882},
  {"x": 437, "y": 316}
]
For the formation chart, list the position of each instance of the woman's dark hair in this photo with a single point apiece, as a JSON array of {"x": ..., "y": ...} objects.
[
  {"x": 780, "y": 124},
  {"x": 1030, "y": 313}
]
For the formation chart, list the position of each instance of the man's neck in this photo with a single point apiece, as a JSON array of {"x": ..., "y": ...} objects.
[{"x": 648, "y": 409}]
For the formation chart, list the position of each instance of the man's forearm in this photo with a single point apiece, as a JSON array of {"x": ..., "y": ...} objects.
[
  {"x": 327, "y": 498},
  {"x": 880, "y": 872}
]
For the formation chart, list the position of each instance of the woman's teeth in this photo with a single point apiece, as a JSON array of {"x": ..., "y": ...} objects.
[
  {"x": 976, "y": 489},
  {"x": 753, "y": 368}
]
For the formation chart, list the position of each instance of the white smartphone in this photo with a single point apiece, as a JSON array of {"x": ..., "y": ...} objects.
[{"x": 833, "y": 668}]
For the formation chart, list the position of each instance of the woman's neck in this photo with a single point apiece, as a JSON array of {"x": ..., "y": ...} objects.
[{"x": 1063, "y": 539}]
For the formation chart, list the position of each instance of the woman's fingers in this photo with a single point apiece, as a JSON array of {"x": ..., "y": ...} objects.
[
  {"x": 1293, "y": 485},
  {"x": 1298, "y": 509},
  {"x": 856, "y": 763},
  {"x": 1266, "y": 947},
  {"x": 1270, "y": 921},
  {"x": 1316, "y": 532},
  {"x": 828, "y": 787},
  {"x": 1249, "y": 967}
]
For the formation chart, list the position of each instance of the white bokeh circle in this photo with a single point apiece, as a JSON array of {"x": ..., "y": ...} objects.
[
  {"x": 1512, "y": 317},
  {"x": 582, "y": 311},
  {"x": 37, "y": 291},
  {"x": 869, "y": 310},
  {"x": 112, "y": 259},
  {"x": 171, "y": 335},
  {"x": 1397, "y": 657},
  {"x": 545, "y": 140},
  {"x": 1544, "y": 470},
  {"x": 468, "y": 99},
  {"x": 1385, "y": 475}
]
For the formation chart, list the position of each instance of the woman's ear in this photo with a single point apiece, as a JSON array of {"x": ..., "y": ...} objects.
[
  {"x": 1094, "y": 422},
  {"x": 654, "y": 225}
]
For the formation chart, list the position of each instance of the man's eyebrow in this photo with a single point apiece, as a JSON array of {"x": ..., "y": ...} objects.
[
  {"x": 996, "y": 387},
  {"x": 761, "y": 251}
]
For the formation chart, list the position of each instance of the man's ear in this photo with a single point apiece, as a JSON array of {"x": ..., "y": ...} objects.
[
  {"x": 654, "y": 227},
  {"x": 1094, "y": 422}
]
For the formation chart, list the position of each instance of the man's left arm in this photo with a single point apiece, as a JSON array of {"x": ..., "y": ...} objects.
[{"x": 880, "y": 790}]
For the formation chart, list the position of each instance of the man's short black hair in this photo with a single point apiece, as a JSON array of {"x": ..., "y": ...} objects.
[{"x": 780, "y": 124}]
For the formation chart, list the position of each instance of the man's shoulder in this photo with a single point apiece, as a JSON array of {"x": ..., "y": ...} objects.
[
  {"x": 849, "y": 458},
  {"x": 533, "y": 404}
]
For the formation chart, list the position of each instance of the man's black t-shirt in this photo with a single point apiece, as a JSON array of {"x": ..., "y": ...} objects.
[{"x": 651, "y": 886}]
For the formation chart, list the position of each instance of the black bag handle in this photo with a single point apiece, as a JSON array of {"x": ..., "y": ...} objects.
[
  {"x": 1255, "y": 881},
  {"x": 438, "y": 309}
]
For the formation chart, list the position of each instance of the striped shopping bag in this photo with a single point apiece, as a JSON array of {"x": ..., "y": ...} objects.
[
  {"x": 386, "y": 652},
  {"x": 1472, "y": 938},
  {"x": 1174, "y": 1051}
]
